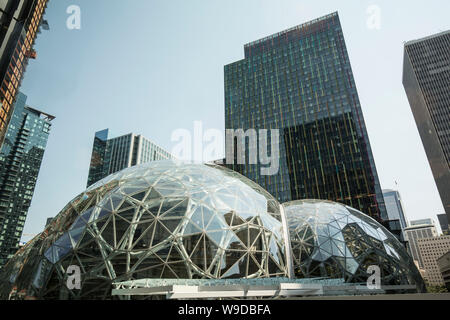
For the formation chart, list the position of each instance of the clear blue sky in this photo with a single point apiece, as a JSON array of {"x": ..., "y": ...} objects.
[{"x": 151, "y": 67}]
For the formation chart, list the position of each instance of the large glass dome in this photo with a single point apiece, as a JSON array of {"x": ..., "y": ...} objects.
[
  {"x": 159, "y": 220},
  {"x": 329, "y": 239}
]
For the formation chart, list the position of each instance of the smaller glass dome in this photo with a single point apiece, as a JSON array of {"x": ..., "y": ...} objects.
[{"x": 329, "y": 239}]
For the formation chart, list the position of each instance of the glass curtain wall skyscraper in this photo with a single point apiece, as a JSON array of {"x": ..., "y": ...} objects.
[
  {"x": 20, "y": 22},
  {"x": 114, "y": 154},
  {"x": 20, "y": 160},
  {"x": 396, "y": 222},
  {"x": 300, "y": 82},
  {"x": 394, "y": 207},
  {"x": 426, "y": 78}
]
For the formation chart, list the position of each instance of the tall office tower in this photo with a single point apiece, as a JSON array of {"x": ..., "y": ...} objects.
[
  {"x": 115, "y": 154},
  {"x": 419, "y": 229},
  {"x": 394, "y": 207},
  {"x": 20, "y": 21},
  {"x": 426, "y": 78},
  {"x": 20, "y": 160},
  {"x": 443, "y": 221},
  {"x": 430, "y": 250},
  {"x": 300, "y": 82},
  {"x": 396, "y": 221}
]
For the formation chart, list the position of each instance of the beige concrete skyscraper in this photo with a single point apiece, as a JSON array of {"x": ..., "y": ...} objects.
[{"x": 431, "y": 249}]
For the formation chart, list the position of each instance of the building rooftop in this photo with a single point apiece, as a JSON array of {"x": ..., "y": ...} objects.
[
  {"x": 426, "y": 38},
  {"x": 419, "y": 226},
  {"x": 298, "y": 27},
  {"x": 41, "y": 114},
  {"x": 105, "y": 134}
]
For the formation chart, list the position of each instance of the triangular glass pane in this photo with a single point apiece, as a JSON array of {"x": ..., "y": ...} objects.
[
  {"x": 171, "y": 224},
  {"x": 273, "y": 248},
  {"x": 121, "y": 225},
  {"x": 192, "y": 228},
  {"x": 161, "y": 234},
  {"x": 143, "y": 235},
  {"x": 217, "y": 237},
  {"x": 233, "y": 243},
  {"x": 146, "y": 215},
  {"x": 116, "y": 201},
  {"x": 139, "y": 196},
  {"x": 198, "y": 254},
  {"x": 197, "y": 217},
  {"x": 101, "y": 213},
  {"x": 75, "y": 235},
  {"x": 208, "y": 215},
  {"x": 153, "y": 195},
  {"x": 216, "y": 223},
  {"x": 176, "y": 210},
  {"x": 83, "y": 219},
  {"x": 130, "y": 189},
  {"x": 338, "y": 248},
  {"x": 233, "y": 271}
]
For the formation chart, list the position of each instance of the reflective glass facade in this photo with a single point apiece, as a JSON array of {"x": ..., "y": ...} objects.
[
  {"x": 20, "y": 160},
  {"x": 394, "y": 207},
  {"x": 19, "y": 25},
  {"x": 114, "y": 154},
  {"x": 426, "y": 78},
  {"x": 300, "y": 81},
  {"x": 332, "y": 240}
]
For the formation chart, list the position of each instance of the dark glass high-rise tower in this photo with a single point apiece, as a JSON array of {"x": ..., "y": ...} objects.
[
  {"x": 394, "y": 208},
  {"x": 300, "y": 82},
  {"x": 20, "y": 22},
  {"x": 20, "y": 160},
  {"x": 426, "y": 78}
]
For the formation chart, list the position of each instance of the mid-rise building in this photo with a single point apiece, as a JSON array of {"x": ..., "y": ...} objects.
[
  {"x": 20, "y": 22},
  {"x": 419, "y": 229},
  {"x": 426, "y": 78},
  {"x": 430, "y": 250},
  {"x": 110, "y": 155},
  {"x": 443, "y": 221},
  {"x": 20, "y": 161},
  {"x": 300, "y": 82}
]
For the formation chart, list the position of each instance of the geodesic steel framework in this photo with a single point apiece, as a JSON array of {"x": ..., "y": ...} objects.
[
  {"x": 333, "y": 240},
  {"x": 163, "y": 219}
]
